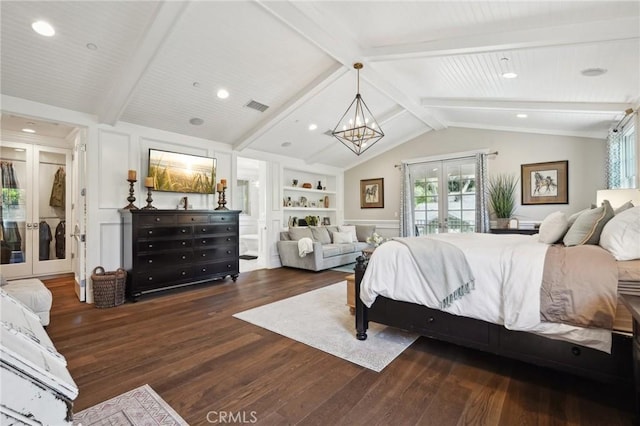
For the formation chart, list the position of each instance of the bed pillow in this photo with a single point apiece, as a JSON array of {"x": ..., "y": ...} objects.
[
  {"x": 588, "y": 226},
  {"x": 621, "y": 235},
  {"x": 342, "y": 237},
  {"x": 350, "y": 229},
  {"x": 321, "y": 234},
  {"x": 623, "y": 207},
  {"x": 297, "y": 233},
  {"x": 553, "y": 228}
]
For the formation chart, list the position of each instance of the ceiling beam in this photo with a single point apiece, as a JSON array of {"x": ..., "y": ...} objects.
[
  {"x": 308, "y": 21},
  {"x": 578, "y": 33},
  {"x": 124, "y": 85},
  {"x": 494, "y": 104},
  {"x": 307, "y": 93}
]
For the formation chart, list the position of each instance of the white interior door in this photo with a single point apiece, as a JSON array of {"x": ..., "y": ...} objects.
[{"x": 78, "y": 216}]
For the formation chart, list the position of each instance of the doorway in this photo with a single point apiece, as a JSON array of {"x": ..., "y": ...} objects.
[{"x": 250, "y": 199}]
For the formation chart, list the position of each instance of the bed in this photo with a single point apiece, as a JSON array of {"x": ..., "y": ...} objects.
[{"x": 511, "y": 323}]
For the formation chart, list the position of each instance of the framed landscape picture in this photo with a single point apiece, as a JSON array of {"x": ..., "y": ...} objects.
[
  {"x": 372, "y": 193},
  {"x": 545, "y": 183}
]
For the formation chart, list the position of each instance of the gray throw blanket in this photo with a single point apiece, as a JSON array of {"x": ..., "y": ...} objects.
[{"x": 443, "y": 266}]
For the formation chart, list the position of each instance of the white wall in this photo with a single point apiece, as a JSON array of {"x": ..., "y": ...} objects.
[{"x": 586, "y": 167}]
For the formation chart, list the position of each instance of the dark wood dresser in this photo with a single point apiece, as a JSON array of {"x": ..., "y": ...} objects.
[{"x": 171, "y": 248}]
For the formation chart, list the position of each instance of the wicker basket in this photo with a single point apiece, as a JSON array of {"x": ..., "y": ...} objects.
[{"x": 108, "y": 287}]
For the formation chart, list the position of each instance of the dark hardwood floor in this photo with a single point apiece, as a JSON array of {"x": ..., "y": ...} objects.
[{"x": 206, "y": 364}]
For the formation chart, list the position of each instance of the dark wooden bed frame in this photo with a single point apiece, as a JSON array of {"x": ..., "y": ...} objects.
[{"x": 616, "y": 367}]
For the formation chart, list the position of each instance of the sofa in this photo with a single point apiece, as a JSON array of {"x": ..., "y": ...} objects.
[{"x": 326, "y": 246}]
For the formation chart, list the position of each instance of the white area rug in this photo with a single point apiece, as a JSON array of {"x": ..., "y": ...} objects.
[
  {"x": 139, "y": 407},
  {"x": 321, "y": 319},
  {"x": 346, "y": 268}
]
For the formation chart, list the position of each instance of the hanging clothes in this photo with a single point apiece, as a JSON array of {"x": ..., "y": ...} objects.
[
  {"x": 58, "y": 189},
  {"x": 9, "y": 179},
  {"x": 11, "y": 235},
  {"x": 44, "y": 241},
  {"x": 60, "y": 239}
]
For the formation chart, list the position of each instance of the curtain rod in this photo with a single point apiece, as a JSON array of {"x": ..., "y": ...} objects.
[
  {"x": 451, "y": 158},
  {"x": 627, "y": 116}
]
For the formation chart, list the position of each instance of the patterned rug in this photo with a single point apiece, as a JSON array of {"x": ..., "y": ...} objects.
[
  {"x": 321, "y": 319},
  {"x": 139, "y": 407}
]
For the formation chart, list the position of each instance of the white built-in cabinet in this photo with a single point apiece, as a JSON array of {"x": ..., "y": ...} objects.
[
  {"x": 298, "y": 202},
  {"x": 34, "y": 236}
]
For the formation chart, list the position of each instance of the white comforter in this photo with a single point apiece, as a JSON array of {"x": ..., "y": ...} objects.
[{"x": 508, "y": 275}]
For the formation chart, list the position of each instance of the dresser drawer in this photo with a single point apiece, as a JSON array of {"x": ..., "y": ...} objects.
[
  {"x": 223, "y": 218},
  {"x": 152, "y": 279},
  {"x": 216, "y": 269},
  {"x": 215, "y": 253},
  {"x": 160, "y": 219},
  {"x": 222, "y": 229},
  {"x": 228, "y": 240},
  {"x": 166, "y": 231},
  {"x": 193, "y": 218},
  {"x": 159, "y": 260},
  {"x": 161, "y": 245}
]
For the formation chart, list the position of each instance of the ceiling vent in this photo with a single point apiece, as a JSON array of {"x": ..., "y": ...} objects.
[{"x": 257, "y": 106}]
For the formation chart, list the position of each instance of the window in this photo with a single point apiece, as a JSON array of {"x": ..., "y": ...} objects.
[
  {"x": 622, "y": 158},
  {"x": 243, "y": 199}
]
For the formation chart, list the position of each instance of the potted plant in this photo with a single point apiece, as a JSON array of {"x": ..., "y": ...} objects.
[{"x": 502, "y": 189}]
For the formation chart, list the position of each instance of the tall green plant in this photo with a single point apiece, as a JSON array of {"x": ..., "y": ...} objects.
[{"x": 502, "y": 194}]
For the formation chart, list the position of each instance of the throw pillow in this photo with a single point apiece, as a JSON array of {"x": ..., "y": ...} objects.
[
  {"x": 588, "y": 226},
  {"x": 553, "y": 228},
  {"x": 574, "y": 216},
  {"x": 364, "y": 231},
  {"x": 621, "y": 235},
  {"x": 321, "y": 234},
  {"x": 296, "y": 233},
  {"x": 342, "y": 237},
  {"x": 351, "y": 229},
  {"x": 623, "y": 207}
]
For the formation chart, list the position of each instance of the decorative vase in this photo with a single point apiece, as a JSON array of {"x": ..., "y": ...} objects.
[
  {"x": 326, "y": 201},
  {"x": 502, "y": 222},
  {"x": 319, "y": 185}
]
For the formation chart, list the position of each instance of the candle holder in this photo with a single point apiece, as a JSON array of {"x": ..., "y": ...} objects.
[
  {"x": 131, "y": 198},
  {"x": 149, "y": 200},
  {"x": 222, "y": 200}
]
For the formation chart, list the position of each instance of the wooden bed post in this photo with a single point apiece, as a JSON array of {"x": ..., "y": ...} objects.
[{"x": 362, "y": 322}]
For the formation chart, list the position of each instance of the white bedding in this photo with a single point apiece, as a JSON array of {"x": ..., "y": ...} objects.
[{"x": 508, "y": 275}]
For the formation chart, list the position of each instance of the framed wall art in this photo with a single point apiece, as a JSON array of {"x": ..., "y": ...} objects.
[
  {"x": 372, "y": 193},
  {"x": 545, "y": 183}
]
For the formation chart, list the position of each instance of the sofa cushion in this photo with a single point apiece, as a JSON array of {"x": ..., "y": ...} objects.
[
  {"x": 296, "y": 233},
  {"x": 320, "y": 234},
  {"x": 347, "y": 248},
  {"x": 342, "y": 237},
  {"x": 351, "y": 229},
  {"x": 330, "y": 250},
  {"x": 364, "y": 231}
]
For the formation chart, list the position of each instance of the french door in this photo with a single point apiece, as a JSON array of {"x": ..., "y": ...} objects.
[
  {"x": 35, "y": 200},
  {"x": 444, "y": 196}
]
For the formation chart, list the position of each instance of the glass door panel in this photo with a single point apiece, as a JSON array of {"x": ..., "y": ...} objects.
[{"x": 461, "y": 196}]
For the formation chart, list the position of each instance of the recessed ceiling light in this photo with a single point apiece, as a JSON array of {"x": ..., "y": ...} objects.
[
  {"x": 593, "y": 72},
  {"x": 196, "y": 121},
  {"x": 509, "y": 74},
  {"x": 521, "y": 115},
  {"x": 92, "y": 46},
  {"x": 313, "y": 126},
  {"x": 285, "y": 144},
  {"x": 223, "y": 94},
  {"x": 43, "y": 28},
  {"x": 28, "y": 130}
]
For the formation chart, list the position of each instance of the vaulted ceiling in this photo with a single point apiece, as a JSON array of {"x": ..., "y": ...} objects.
[{"x": 427, "y": 66}]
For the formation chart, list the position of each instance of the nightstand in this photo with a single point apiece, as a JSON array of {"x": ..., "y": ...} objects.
[
  {"x": 514, "y": 231},
  {"x": 633, "y": 305}
]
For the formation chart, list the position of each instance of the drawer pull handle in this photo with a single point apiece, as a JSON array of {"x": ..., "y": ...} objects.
[
  {"x": 150, "y": 260},
  {"x": 183, "y": 273},
  {"x": 150, "y": 245},
  {"x": 183, "y": 230},
  {"x": 204, "y": 269},
  {"x": 193, "y": 218},
  {"x": 228, "y": 228},
  {"x": 204, "y": 254},
  {"x": 184, "y": 257},
  {"x": 204, "y": 241},
  {"x": 222, "y": 218},
  {"x": 228, "y": 239},
  {"x": 150, "y": 278},
  {"x": 430, "y": 319},
  {"x": 575, "y": 351},
  {"x": 150, "y": 232},
  {"x": 184, "y": 243},
  {"x": 228, "y": 251},
  {"x": 157, "y": 219},
  {"x": 204, "y": 229},
  {"x": 228, "y": 266}
]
